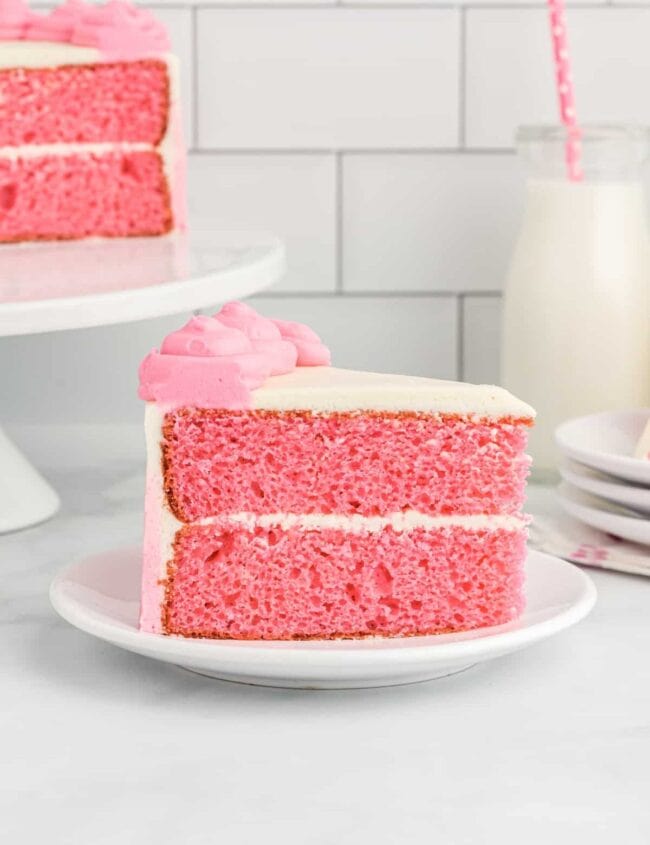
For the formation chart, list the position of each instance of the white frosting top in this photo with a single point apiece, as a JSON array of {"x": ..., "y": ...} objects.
[
  {"x": 56, "y": 53},
  {"x": 45, "y": 54},
  {"x": 330, "y": 389}
]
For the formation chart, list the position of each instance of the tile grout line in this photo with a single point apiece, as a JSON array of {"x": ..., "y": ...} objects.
[
  {"x": 362, "y": 151},
  {"x": 195, "y": 78},
  {"x": 460, "y": 336},
  {"x": 336, "y": 5},
  {"x": 462, "y": 77},
  {"x": 378, "y": 294},
  {"x": 338, "y": 200},
  {"x": 390, "y": 5},
  {"x": 256, "y": 5}
]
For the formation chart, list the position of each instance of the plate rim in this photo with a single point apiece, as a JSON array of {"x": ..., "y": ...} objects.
[
  {"x": 635, "y": 469},
  {"x": 276, "y": 654},
  {"x": 612, "y": 489},
  {"x": 565, "y": 491}
]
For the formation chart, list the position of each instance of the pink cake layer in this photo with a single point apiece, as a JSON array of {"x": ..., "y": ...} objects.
[
  {"x": 76, "y": 196},
  {"x": 370, "y": 463},
  {"x": 270, "y": 583},
  {"x": 120, "y": 101}
]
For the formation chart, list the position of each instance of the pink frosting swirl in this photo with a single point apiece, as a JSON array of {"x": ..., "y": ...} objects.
[
  {"x": 215, "y": 362},
  {"x": 13, "y": 18},
  {"x": 117, "y": 29}
]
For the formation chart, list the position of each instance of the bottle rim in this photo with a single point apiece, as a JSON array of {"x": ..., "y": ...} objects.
[{"x": 590, "y": 133}]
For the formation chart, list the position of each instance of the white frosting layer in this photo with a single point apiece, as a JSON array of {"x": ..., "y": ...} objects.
[
  {"x": 45, "y": 54},
  {"x": 35, "y": 150},
  {"x": 153, "y": 420},
  {"x": 330, "y": 389},
  {"x": 160, "y": 527},
  {"x": 356, "y": 524},
  {"x": 172, "y": 146}
]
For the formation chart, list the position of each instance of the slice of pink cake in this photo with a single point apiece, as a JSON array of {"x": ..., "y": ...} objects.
[
  {"x": 287, "y": 499},
  {"x": 90, "y": 136}
]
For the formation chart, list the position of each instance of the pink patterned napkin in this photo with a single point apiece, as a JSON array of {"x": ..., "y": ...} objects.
[{"x": 558, "y": 534}]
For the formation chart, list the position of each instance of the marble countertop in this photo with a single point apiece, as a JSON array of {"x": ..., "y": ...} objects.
[{"x": 102, "y": 747}]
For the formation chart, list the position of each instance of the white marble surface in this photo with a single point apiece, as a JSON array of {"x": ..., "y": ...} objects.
[{"x": 101, "y": 747}]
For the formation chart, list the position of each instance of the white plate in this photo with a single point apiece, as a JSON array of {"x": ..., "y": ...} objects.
[
  {"x": 607, "y": 442},
  {"x": 603, "y": 515},
  {"x": 628, "y": 495},
  {"x": 101, "y": 596}
]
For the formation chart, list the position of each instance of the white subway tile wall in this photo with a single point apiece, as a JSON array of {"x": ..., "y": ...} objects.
[
  {"x": 293, "y": 195},
  {"x": 481, "y": 316},
  {"x": 509, "y": 69},
  {"x": 327, "y": 78},
  {"x": 376, "y": 139},
  {"x": 370, "y": 330},
  {"x": 428, "y": 222}
]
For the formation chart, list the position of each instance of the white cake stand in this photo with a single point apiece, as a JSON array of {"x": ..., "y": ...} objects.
[{"x": 72, "y": 285}]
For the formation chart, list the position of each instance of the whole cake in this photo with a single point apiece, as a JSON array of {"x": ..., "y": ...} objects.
[
  {"x": 90, "y": 134},
  {"x": 287, "y": 499}
]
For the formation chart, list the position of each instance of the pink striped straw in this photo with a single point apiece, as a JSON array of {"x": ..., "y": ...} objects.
[{"x": 564, "y": 83}]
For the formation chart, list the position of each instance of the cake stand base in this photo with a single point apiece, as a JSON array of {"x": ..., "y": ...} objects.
[{"x": 25, "y": 497}]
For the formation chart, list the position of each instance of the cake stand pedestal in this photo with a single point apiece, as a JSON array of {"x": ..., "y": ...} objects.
[
  {"x": 59, "y": 286},
  {"x": 25, "y": 497}
]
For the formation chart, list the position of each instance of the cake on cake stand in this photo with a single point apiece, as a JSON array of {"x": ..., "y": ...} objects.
[{"x": 56, "y": 286}]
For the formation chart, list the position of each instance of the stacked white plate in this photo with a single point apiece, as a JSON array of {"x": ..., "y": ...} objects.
[{"x": 604, "y": 485}]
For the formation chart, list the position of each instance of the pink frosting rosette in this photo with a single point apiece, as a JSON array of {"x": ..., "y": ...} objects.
[
  {"x": 14, "y": 15},
  {"x": 215, "y": 362},
  {"x": 118, "y": 29}
]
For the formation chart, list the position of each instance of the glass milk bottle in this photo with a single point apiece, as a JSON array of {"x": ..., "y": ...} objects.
[{"x": 576, "y": 304}]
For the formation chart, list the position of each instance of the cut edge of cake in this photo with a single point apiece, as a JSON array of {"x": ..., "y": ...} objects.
[{"x": 325, "y": 391}]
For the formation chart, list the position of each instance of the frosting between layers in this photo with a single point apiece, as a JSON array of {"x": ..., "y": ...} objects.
[
  {"x": 36, "y": 150},
  {"x": 118, "y": 29},
  {"x": 356, "y": 523}
]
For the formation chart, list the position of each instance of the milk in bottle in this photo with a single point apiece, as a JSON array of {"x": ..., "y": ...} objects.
[{"x": 576, "y": 308}]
